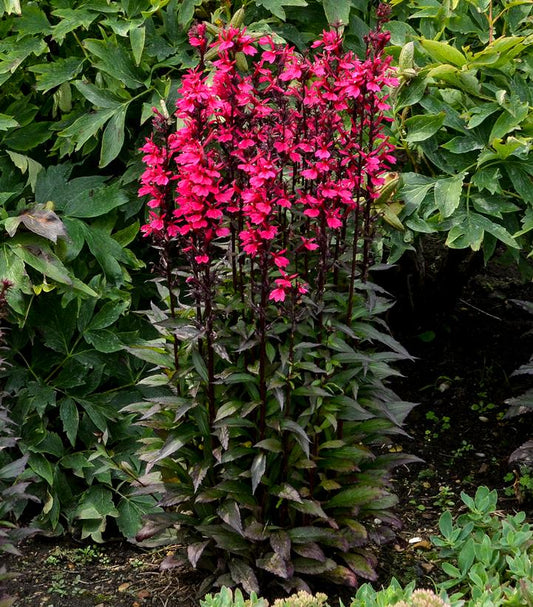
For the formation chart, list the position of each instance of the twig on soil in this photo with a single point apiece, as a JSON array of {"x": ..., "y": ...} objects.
[{"x": 466, "y": 303}]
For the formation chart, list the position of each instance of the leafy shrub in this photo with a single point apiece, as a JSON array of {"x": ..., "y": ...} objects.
[
  {"x": 274, "y": 415},
  {"x": 487, "y": 559},
  {"x": 463, "y": 121}
]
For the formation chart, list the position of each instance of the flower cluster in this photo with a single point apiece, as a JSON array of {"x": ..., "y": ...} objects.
[{"x": 279, "y": 157}]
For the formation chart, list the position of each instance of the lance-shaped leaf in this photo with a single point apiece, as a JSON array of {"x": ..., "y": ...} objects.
[
  {"x": 281, "y": 544},
  {"x": 244, "y": 575},
  {"x": 274, "y": 563},
  {"x": 195, "y": 551},
  {"x": 361, "y": 565},
  {"x": 312, "y": 566},
  {"x": 257, "y": 470},
  {"x": 229, "y": 512},
  {"x": 51, "y": 75}
]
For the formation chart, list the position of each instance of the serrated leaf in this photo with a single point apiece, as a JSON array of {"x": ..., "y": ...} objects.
[
  {"x": 131, "y": 510},
  {"x": 229, "y": 512},
  {"x": 281, "y": 544},
  {"x": 115, "y": 61},
  {"x": 244, "y": 575},
  {"x": 361, "y": 566},
  {"x": 96, "y": 503},
  {"x": 41, "y": 466},
  {"x": 86, "y": 126},
  {"x": 52, "y": 75},
  {"x": 273, "y": 563}
]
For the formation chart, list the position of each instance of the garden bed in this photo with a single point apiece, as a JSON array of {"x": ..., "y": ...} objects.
[{"x": 461, "y": 378}]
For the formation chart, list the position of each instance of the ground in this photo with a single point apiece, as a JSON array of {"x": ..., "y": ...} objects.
[{"x": 461, "y": 378}]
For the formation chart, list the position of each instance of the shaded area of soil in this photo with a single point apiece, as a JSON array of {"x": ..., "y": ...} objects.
[{"x": 461, "y": 378}]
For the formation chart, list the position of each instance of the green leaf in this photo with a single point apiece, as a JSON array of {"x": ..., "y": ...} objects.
[
  {"x": 186, "y": 11},
  {"x": 44, "y": 261},
  {"x": 508, "y": 121},
  {"x": 100, "y": 98},
  {"x": 113, "y": 137},
  {"x": 442, "y": 52},
  {"x": 355, "y": 496},
  {"x": 68, "y": 412},
  {"x": 115, "y": 61},
  {"x": 337, "y": 11},
  {"x": 41, "y": 466},
  {"x": 110, "y": 312},
  {"x": 131, "y": 510},
  {"x": 448, "y": 194},
  {"x": 52, "y": 75},
  {"x": 7, "y": 122},
  {"x": 96, "y": 503},
  {"x": 86, "y": 126},
  {"x": 104, "y": 341},
  {"x": 276, "y": 6},
  {"x": 137, "y": 39},
  {"x": 420, "y": 128}
]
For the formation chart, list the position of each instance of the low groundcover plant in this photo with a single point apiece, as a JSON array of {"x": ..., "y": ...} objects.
[{"x": 270, "y": 405}]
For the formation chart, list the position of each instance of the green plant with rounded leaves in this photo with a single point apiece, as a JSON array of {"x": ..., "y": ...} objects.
[{"x": 462, "y": 116}]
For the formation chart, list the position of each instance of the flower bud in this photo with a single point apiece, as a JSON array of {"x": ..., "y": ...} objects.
[{"x": 238, "y": 18}]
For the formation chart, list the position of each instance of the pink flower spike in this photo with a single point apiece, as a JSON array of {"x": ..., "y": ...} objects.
[
  {"x": 201, "y": 259},
  {"x": 277, "y": 295}
]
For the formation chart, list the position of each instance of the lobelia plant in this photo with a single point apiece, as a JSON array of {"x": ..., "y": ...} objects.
[{"x": 273, "y": 416}]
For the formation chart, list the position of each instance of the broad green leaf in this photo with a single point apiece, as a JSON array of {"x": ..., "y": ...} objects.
[
  {"x": 420, "y": 128},
  {"x": 28, "y": 137},
  {"x": 110, "y": 312},
  {"x": 41, "y": 466},
  {"x": 44, "y": 262},
  {"x": 104, "y": 340},
  {"x": 115, "y": 61},
  {"x": 186, "y": 11},
  {"x": 26, "y": 164},
  {"x": 508, "y": 121},
  {"x": 113, "y": 137},
  {"x": 411, "y": 92},
  {"x": 131, "y": 510},
  {"x": 52, "y": 75},
  {"x": 100, "y": 98},
  {"x": 96, "y": 503},
  {"x": 11, "y": 6},
  {"x": 355, "y": 496},
  {"x": 7, "y": 122},
  {"x": 137, "y": 39},
  {"x": 107, "y": 251},
  {"x": 33, "y": 21},
  {"x": 462, "y": 145},
  {"x": 448, "y": 194},
  {"x": 444, "y": 52},
  {"x": 337, "y": 11},
  {"x": 276, "y": 6},
  {"x": 86, "y": 126},
  {"x": 68, "y": 412},
  {"x": 71, "y": 19}
]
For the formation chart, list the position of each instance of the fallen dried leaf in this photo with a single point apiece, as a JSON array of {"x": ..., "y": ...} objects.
[
  {"x": 123, "y": 587},
  {"x": 143, "y": 594}
]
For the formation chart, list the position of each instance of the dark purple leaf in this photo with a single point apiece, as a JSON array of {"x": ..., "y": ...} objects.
[
  {"x": 254, "y": 530},
  {"x": 244, "y": 575},
  {"x": 258, "y": 469},
  {"x": 194, "y": 551},
  {"x": 281, "y": 544},
  {"x": 312, "y": 566},
  {"x": 310, "y": 551},
  {"x": 169, "y": 562},
  {"x": 229, "y": 512},
  {"x": 361, "y": 565},
  {"x": 289, "y": 493},
  {"x": 342, "y": 576},
  {"x": 273, "y": 563}
]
